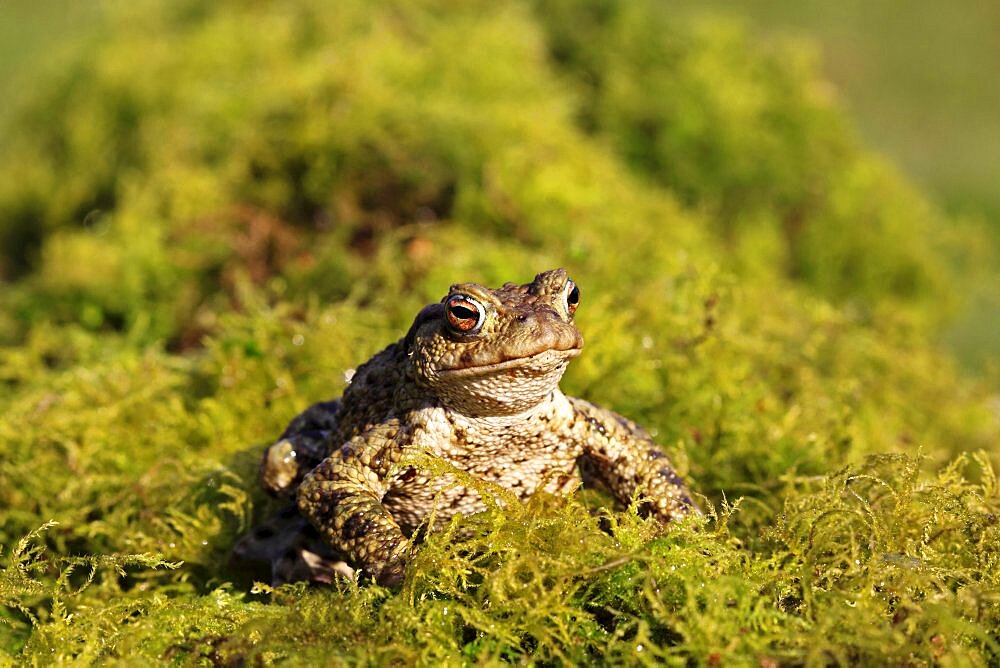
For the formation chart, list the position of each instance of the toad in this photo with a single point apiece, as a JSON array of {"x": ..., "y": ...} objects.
[{"x": 475, "y": 382}]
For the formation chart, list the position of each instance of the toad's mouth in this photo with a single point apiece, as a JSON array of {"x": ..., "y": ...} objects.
[{"x": 539, "y": 363}]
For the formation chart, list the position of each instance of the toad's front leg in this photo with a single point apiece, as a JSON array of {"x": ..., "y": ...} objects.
[
  {"x": 342, "y": 498},
  {"x": 627, "y": 459}
]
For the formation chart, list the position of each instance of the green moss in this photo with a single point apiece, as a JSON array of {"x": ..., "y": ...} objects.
[
  {"x": 749, "y": 132},
  {"x": 229, "y": 207},
  {"x": 867, "y": 564}
]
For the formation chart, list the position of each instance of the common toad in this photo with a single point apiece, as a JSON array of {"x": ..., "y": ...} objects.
[{"x": 475, "y": 382}]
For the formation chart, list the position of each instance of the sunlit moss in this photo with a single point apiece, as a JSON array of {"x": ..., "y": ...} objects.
[{"x": 231, "y": 206}]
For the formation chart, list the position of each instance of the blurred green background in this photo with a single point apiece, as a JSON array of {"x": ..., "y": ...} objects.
[{"x": 914, "y": 77}]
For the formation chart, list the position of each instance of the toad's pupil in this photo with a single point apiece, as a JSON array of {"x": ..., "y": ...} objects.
[
  {"x": 463, "y": 313},
  {"x": 574, "y": 296}
]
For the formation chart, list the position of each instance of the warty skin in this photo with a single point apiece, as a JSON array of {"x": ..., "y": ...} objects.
[{"x": 475, "y": 382}]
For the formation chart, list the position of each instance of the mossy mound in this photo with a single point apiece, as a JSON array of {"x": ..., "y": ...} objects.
[{"x": 214, "y": 213}]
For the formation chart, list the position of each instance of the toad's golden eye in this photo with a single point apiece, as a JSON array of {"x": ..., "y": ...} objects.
[
  {"x": 465, "y": 315},
  {"x": 572, "y": 297}
]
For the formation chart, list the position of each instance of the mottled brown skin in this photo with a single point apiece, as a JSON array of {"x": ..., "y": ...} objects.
[{"x": 476, "y": 382}]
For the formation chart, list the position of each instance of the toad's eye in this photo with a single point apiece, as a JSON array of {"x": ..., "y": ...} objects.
[
  {"x": 465, "y": 315},
  {"x": 572, "y": 297}
]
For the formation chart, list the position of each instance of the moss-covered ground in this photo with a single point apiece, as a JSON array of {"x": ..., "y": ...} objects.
[{"x": 210, "y": 213}]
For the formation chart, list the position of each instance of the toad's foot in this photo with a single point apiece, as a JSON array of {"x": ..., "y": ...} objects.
[{"x": 294, "y": 549}]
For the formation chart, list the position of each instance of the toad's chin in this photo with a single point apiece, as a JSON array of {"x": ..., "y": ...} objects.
[{"x": 503, "y": 388}]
